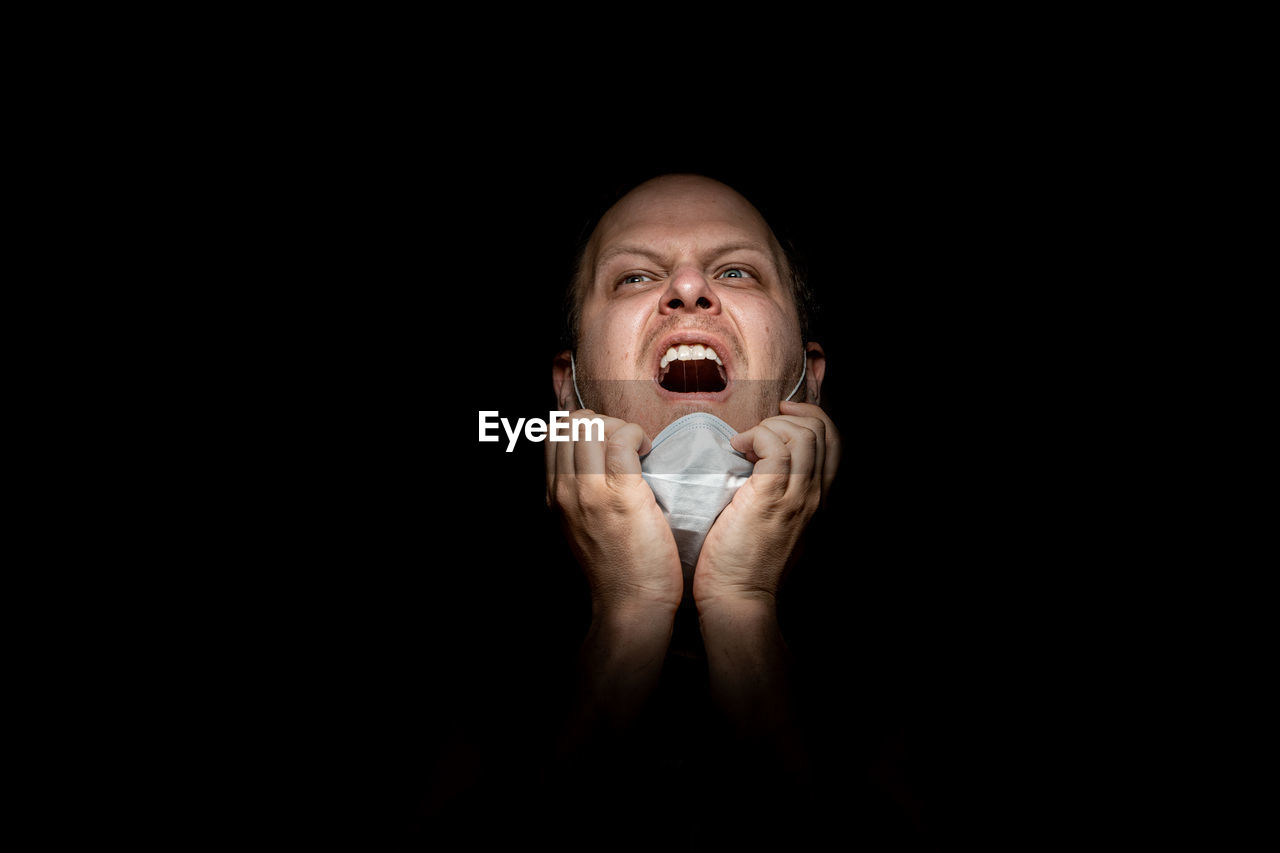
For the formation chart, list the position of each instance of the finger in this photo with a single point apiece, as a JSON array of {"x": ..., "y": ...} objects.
[
  {"x": 831, "y": 435},
  {"x": 807, "y": 410},
  {"x": 559, "y": 460},
  {"x": 588, "y": 450},
  {"x": 549, "y": 453},
  {"x": 817, "y": 426},
  {"x": 828, "y": 442},
  {"x": 565, "y": 451},
  {"x": 806, "y": 448},
  {"x": 624, "y": 446},
  {"x": 769, "y": 452}
]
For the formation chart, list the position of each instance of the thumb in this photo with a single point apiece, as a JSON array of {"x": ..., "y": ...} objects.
[{"x": 744, "y": 443}]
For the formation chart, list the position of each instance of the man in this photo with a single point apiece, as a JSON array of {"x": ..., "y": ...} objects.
[{"x": 683, "y": 261}]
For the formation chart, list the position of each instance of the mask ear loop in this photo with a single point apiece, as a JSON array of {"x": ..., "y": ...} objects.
[
  {"x": 574, "y": 368},
  {"x": 804, "y": 368}
]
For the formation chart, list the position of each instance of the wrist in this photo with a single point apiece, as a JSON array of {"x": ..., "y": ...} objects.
[
  {"x": 622, "y": 656},
  {"x": 746, "y": 653}
]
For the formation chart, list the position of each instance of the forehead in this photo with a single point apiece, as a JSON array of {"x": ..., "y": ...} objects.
[{"x": 682, "y": 213}]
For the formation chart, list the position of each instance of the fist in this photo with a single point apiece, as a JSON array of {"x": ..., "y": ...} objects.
[
  {"x": 613, "y": 523},
  {"x": 749, "y": 547}
]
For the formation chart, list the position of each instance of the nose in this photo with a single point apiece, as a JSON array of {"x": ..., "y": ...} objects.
[{"x": 689, "y": 292}]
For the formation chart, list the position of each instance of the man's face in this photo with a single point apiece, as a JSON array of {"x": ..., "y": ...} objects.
[{"x": 686, "y": 264}]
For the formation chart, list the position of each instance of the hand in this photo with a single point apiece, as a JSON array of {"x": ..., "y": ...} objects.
[
  {"x": 613, "y": 523},
  {"x": 796, "y": 455}
]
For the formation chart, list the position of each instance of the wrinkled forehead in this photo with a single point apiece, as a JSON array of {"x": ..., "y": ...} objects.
[{"x": 682, "y": 213}]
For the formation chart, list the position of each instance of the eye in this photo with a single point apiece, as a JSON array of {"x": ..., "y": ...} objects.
[
  {"x": 635, "y": 278},
  {"x": 734, "y": 273}
]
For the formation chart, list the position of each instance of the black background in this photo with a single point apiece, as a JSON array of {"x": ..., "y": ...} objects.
[{"x": 432, "y": 603}]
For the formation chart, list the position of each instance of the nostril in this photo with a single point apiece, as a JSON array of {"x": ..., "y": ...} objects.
[
  {"x": 675, "y": 303},
  {"x": 703, "y": 302}
]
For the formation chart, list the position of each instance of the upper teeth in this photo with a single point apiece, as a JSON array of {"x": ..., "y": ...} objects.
[{"x": 689, "y": 352}]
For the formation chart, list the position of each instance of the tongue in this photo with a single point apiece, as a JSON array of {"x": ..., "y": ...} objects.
[{"x": 687, "y": 377}]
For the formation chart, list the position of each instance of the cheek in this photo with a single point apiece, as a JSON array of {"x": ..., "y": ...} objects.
[
  {"x": 769, "y": 355},
  {"x": 769, "y": 332},
  {"x": 612, "y": 341}
]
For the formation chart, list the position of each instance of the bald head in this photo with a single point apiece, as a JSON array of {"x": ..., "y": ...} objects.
[{"x": 670, "y": 199}]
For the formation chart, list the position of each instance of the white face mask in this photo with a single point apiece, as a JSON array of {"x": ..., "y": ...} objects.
[{"x": 694, "y": 473}]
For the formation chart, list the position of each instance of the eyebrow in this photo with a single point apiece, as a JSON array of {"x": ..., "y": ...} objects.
[{"x": 718, "y": 251}]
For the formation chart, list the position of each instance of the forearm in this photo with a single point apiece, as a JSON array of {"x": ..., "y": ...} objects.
[
  {"x": 750, "y": 676},
  {"x": 619, "y": 665}
]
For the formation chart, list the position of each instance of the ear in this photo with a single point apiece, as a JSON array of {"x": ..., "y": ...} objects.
[
  {"x": 817, "y": 366},
  {"x": 562, "y": 382}
]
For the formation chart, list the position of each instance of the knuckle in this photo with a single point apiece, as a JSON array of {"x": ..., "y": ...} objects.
[
  {"x": 813, "y": 429},
  {"x": 621, "y": 434}
]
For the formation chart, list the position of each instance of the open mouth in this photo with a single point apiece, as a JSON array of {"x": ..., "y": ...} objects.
[{"x": 692, "y": 368}]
